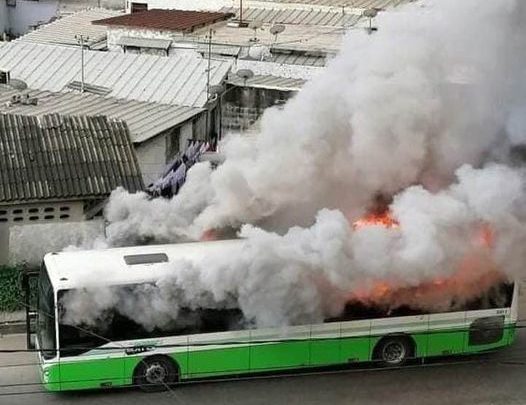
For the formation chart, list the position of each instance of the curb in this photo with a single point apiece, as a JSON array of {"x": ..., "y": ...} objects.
[{"x": 10, "y": 328}]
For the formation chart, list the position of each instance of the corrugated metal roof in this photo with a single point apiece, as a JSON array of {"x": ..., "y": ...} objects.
[
  {"x": 227, "y": 50},
  {"x": 63, "y": 30},
  {"x": 300, "y": 37},
  {"x": 169, "y": 20},
  {"x": 351, "y": 4},
  {"x": 145, "y": 42},
  {"x": 56, "y": 157},
  {"x": 294, "y": 58},
  {"x": 144, "y": 120},
  {"x": 268, "y": 82},
  {"x": 179, "y": 80},
  {"x": 295, "y": 16}
]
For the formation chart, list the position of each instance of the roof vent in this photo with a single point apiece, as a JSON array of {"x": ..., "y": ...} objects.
[{"x": 148, "y": 258}]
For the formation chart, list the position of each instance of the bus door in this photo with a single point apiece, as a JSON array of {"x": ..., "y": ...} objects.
[{"x": 29, "y": 283}]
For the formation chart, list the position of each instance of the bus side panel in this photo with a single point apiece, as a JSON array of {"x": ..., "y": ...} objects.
[
  {"x": 103, "y": 372},
  {"x": 325, "y": 344},
  {"x": 50, "y": 376},
  {"x": 276, "y": 349},
  {"x": 447, "y": 333},
  {"x": 217, "y": 353},
  {"x": 355, "y": 341}
]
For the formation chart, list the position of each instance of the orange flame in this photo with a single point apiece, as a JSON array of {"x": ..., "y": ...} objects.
[{"x": 384, "y": 219}]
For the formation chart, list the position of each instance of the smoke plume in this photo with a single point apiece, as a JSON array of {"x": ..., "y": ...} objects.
[{"x": 430, "y": 110}]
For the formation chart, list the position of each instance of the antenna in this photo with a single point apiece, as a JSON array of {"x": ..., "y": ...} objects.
[
  {"x": 276, "y": 30},
  {"x": 255, "y": 25},
  {"x": 80, "y": 39},
  {"x": 370, "y": 13}
]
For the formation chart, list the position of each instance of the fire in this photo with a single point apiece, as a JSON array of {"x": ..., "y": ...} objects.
[
  {"x": 474, "y": 272},
  {"x": 382, "y": 219},
  {"x": 208, "y": 235}
]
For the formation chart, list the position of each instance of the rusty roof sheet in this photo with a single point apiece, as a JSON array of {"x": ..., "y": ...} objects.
[{"x": 169, "y": 20}]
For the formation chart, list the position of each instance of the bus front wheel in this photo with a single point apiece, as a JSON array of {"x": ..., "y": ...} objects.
[
  {"x": 155, "y": 374},
  {"x": 393, "y": 351}
]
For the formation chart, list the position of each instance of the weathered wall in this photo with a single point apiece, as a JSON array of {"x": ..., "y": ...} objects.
[
  {"x": 152, "y": 158},
  {"x": 18, "y": 216},
  {"x": 29, "y": 13}
]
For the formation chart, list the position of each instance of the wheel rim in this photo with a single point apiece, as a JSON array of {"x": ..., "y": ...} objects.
[
  {"x": 156, "y": 373},
  {"x": 393, "y": 352}
]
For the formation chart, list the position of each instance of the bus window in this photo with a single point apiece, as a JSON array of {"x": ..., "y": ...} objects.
[{"x": 46, "y": 316}]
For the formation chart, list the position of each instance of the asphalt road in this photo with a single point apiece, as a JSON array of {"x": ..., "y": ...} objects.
[{"x": 497, "y": 378}]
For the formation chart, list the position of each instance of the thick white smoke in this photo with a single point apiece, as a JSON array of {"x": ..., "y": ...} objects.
[{"x": 428, "y": 110}]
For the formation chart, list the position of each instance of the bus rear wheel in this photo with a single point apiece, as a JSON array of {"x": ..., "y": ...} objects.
[
  {"x": 393, "y": 351},
  {"x": 156, "y": 373}
]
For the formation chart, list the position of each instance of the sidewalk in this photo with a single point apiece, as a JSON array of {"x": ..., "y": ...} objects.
[{"x": 12, "y": 322}]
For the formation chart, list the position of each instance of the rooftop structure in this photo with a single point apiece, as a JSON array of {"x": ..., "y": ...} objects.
[
  {"x": 268, "y": 82},
  {"x": 144, "y": 120},
  {"x": 179, "y": 79},
  {"x": 64, "y": 30},
  {"x": 166, "y": 20},
  {"x": 57, "y": 157}
]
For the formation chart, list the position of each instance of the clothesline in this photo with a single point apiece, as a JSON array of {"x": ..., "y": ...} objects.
[{"x": 174, "y": 176}]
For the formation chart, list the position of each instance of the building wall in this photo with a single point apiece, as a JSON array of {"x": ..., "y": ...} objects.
[
  {"x": 28, "y": 13},
  {"x": 32, "y": 214},
  {"x": 183, "y": 4},
  {"x": 152, "y": 158},
  {"x": 115, "y": 34}
]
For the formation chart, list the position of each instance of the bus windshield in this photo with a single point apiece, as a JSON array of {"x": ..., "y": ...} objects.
[{"x": 46, "y": 316}]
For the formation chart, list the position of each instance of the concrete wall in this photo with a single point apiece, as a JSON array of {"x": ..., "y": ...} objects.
[
  {"x": 29, "y": 13},
  {"x": 184, "y": 4},
  {"x": 152, "y": 158},
  {"x": 115, "y": 34},
  {"x": 32, "y": 214}
]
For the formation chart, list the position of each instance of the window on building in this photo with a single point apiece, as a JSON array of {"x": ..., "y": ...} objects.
[
  {"x": 173, "y": 139},
  {"x": 138, "y": 7}
]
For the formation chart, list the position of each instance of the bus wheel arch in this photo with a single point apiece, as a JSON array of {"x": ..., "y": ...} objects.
[
  {"x": 394, "y": 350},
  {"x": 156, "y": 373}
]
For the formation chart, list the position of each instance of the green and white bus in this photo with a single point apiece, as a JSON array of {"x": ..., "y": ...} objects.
[{"x": 73, "y": 358}]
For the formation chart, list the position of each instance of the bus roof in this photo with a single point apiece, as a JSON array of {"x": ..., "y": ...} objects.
[{"x": 128, "y": 265}]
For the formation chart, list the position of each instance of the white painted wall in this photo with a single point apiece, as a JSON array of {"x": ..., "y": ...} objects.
[
  {"x": 3, "y": 17},
  {"x": 152, "y": 158},
  {"x": 28, "y": 13},
  {"x": 213, "y": 5}
]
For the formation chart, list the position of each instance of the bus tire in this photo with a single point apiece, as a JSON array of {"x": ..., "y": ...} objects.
[
  {"x": 394, "y": 351},
  {"x": 155, "y": 373}
]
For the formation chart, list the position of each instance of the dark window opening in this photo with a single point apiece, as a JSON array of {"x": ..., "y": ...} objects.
[
  {"x": 33, "y": 218},
  {"x": 3, "y": 212},
  {"x": 77, "y": 339},
  {"x": 3, "y": 219},
  {"x": 32, "y": 210},
  {"x": 138, "y": 7},
  {"x": 49, "y": 209},
  {"x": 64, "y": 216},
  {"x": 17, "y": 211},
  {"x": 18, "y": 219},
  {"x": 46, "y": 315},
  {"x": 64, "y": 208},
  {"x": 49, "y": 217}
]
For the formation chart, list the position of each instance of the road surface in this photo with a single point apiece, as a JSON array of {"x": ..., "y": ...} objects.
[{"x": 498, "y": 378}]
